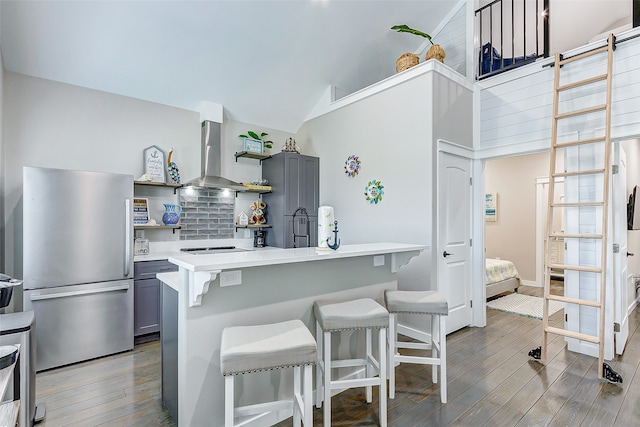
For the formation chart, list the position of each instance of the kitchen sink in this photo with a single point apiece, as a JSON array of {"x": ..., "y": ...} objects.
[{"x": 212, "y": 250}]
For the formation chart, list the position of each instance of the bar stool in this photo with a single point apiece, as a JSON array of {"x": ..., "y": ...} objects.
[
  {"x": 246, "y": 349},
  {"x": 357, "y": 314},
  {"x": 429, "y": 303}
]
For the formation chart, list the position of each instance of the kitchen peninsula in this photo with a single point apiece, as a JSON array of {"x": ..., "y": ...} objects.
[{"x": 259, "y": 287}]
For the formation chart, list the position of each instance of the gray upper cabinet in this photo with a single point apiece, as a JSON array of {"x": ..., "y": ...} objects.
[{"x": 295, "y": 182}]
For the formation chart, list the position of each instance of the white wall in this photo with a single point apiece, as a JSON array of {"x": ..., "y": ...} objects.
[
  {"x": 393, "y": 132},
  {"x": 52, "y": 124},
  {"x": 573, "y": 23},
  {"x": 452, "y": 37},
  {"x": 390, "y": 133}
]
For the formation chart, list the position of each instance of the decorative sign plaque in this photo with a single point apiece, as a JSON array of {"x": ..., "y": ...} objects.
[
  {"x": 154, "y": 164},
  {"x": 140, "y": 211}
]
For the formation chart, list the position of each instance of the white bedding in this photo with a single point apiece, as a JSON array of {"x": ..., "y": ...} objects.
[{"x": 498, "y": 270}]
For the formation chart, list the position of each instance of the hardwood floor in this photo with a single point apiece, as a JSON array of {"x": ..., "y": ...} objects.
[
  {"x": 492, "y": 382},
  {"x": 118, "y": 390}
]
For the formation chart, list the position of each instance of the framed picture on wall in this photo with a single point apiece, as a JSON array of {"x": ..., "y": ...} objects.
[{"x": 491, "y": 207}]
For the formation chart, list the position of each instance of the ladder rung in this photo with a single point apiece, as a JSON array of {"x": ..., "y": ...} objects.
[
  {"x": 575, "y": 204},
  {"x": 583, "y": 82},
  {"x": 584, "y": 55},
  {"x": 572, "y": 334},
  {"x": 581, "y": 112},
  {"x": 575, "y": 268},
  {"x": 578, "y": 173},
  {"x": 576, "y": 236},
  {"x": 582, "y": 141},
  {"x": 578, "y": 301}
]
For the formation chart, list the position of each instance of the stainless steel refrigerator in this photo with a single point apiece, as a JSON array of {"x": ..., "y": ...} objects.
[{"x": 78, "y": 263}]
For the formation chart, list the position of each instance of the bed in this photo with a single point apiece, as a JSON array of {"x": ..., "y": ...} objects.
[
  {"x": 500, "y": 276},
  {"x": 491, "y": 60}
]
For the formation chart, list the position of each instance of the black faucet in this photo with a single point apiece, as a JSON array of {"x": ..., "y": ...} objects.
[{"x": 304, "y": 212}]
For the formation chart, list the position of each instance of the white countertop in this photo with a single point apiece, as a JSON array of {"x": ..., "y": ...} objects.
[
  {"x": 165, "y": 250},
  {"x": 273, "y": 256}
]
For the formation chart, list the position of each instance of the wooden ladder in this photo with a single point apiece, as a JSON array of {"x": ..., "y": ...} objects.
[{"x": 577, "y": 172}]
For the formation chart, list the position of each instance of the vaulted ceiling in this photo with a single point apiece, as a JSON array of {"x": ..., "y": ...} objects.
[{"x": 267, "y": 62}]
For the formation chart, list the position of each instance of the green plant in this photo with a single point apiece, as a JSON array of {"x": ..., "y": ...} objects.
[
  {"x": 254, "y": 135},
  {"x": 406, "y": 29},
  {"x": 435, "y": 51}
]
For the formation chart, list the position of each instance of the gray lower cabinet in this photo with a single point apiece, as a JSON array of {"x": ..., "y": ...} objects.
[
  {"x": 295, "y": 181},
  {"x": 169, "y": 348},
  {"x": 146, "y": 297}
]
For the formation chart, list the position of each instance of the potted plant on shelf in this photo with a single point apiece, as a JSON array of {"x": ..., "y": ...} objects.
[
  {"x": 255, "y": 143},
  {"x": 408, "y": 60}
]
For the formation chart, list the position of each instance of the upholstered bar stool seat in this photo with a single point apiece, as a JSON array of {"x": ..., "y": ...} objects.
[
  {"x": 332, "y": 316},
  {"x": 430, "y": 303},
  {"x": 246, "y": 349}
]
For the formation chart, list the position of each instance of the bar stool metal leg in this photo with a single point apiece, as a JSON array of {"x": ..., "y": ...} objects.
[
  {"x": 319, "y": 365},
  {"x": 382, "y": 348},
  {"x": 392, "y": 352},
  {"x": 369, "y": 368},
  {"x": 327, "y": 378},
  {"x": 443, "y": 359},
  {"x": 229, "y": 404}
]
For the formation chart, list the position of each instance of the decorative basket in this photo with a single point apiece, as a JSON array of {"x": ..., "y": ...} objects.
[
  {"x": 406, "y": 61},
  {"x": 436, "y": 51}
]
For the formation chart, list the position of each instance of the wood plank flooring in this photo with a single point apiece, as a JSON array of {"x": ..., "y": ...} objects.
[{"x": 492, "y": 382}]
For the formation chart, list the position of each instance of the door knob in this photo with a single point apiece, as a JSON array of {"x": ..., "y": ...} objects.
[
  {"x": 446, "y": 254},
  {"x": 630, "y": 254}
]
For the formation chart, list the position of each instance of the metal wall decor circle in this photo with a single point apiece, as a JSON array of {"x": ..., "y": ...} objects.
[
  {"x": 352, "y": 166},
  {"x": 373, "y": 191}
]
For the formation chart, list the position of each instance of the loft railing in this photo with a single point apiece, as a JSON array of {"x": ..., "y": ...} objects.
[{"x": 510, "y": 33}]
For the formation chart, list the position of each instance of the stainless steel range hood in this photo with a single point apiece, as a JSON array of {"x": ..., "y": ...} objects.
[{"x": 210, "y": 161}]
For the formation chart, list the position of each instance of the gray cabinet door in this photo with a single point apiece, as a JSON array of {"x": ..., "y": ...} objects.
[
  {"x": 295, "y": 181},
  {"x": 146, "y": 297},
  {"x": 146, "y": 307},
  {"x": 169, "y": 348}
]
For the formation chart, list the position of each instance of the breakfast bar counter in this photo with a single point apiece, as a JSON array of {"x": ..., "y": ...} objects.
[{"x": 261, "y": 287}]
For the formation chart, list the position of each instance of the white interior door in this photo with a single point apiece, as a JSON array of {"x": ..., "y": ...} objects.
[
  {"x": 619, "y": 217},
  {"x": 453, "y": 227}
]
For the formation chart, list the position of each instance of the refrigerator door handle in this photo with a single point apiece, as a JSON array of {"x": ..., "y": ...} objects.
[
  {"x": 76, "y": 293},
  {"x": 127, "y": 237}
]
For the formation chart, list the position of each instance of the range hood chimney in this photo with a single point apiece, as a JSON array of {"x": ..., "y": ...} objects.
[{"x": 210, "y": 161}]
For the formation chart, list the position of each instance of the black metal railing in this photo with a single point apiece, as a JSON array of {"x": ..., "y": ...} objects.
[{"x": 510, "y": 33}]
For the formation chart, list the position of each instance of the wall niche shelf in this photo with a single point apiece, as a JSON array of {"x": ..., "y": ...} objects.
[
  {"x": 157, "y": 227},
  {"x": 251, "y": 155},
  {"x": 252, "y": 226},
  {"x": 158, "y": 184},
  {"x": 257, "y": 190}
]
